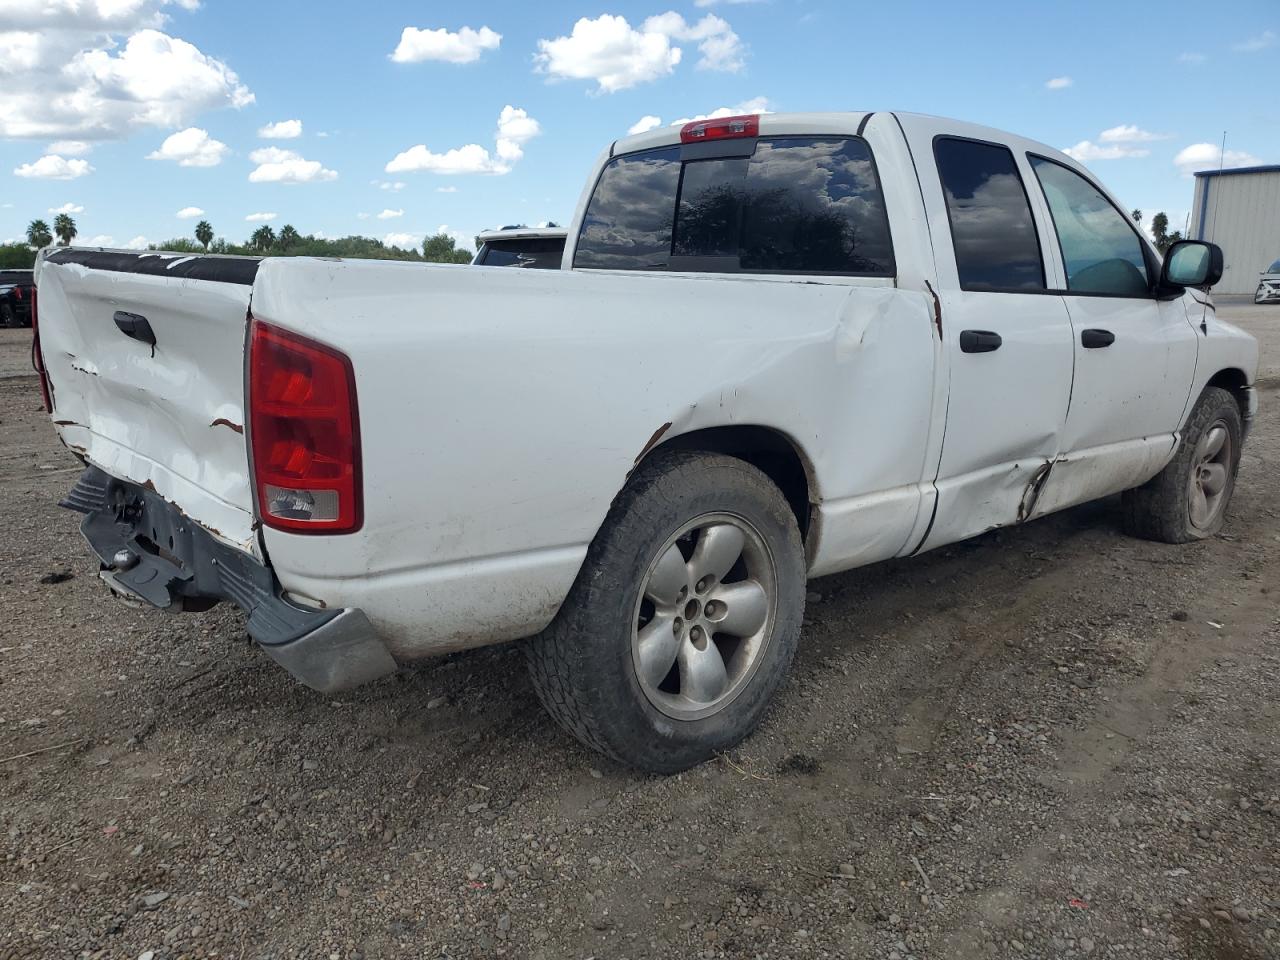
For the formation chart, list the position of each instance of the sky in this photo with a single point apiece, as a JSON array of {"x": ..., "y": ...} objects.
[{"x": 399, "y": 119}]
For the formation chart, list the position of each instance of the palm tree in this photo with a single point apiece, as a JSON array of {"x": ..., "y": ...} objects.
[
  {"x": 204, "y": 234},
  {"x": 263, "y": 238},
  {"x": 38, "y": 234},
  {"x": 288, "y": 237},
  {"x": 65, "y": 228}
]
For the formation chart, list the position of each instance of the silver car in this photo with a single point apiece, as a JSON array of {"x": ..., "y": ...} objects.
[{"x": 1269, "y": 285}]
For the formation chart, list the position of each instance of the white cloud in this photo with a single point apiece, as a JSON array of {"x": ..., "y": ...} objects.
[
  {"x": 405, "y": 241},
  {"x": 390, "y": 214},
  {"x": 1058, "y": 83},
  {"x": 465, "y": 46},
  {"x": 191, "y": 147},
  {"x": 721, "y": 48},
  {"x": 261, "y": 217},
  {"x": 461, "y": 239},
  {"x": 101, "y": 240},
  {"x": 286, "y": 166},
  {"x": 1209, "y": 156},
  {"x": 67, "y": 208},
  {"x": 281, "y": 130},
  {"x": 188, "y": 213},
  {"x": 644, "y": 124},
  {"x": 1267, "y": 38},
  {"x": 362, "y": 216},
  {"x": 393, "y": 185},
  {"x": 731, "y": 3},
  {"x": 137, "y": 243},
  {"x": 616, "y": 56},
  {"x": 515, "y": 128},
  {"x": 1191, "y": 57},
  {"x": 71, "y": 77},
  {"x": 1129, "y": 133},
  {"x": 446, "y": 189},
  {"x": 754, "y": 105},
  {"x": 1086, "y": 151},
  {"x": 70, "y": 148},
  {"x": 53, "y": 167}
]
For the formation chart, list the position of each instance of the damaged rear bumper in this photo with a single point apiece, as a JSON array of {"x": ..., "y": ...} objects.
[{"x": 152, "y": 553}]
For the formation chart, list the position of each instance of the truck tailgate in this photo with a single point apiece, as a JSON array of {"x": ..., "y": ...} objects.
[{"x": 170, "y": 415}]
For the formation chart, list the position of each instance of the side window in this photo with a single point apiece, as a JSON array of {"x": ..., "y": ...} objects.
[
  {"x": 628, "y": 221},
  {"x": 797, "y": 205},
  {"x": 1100, "y": 250},
  {"x": 991, "y": 224}
]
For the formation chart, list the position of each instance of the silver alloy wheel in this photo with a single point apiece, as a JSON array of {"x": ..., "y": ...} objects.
[
  {"x": 704, "y": 616},
  {"x": 1210, "y": 474}
]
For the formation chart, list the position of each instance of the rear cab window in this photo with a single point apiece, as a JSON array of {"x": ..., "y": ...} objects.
[
  {"x": 536, "y": 253},
  {"x": 795, "y": 205}
]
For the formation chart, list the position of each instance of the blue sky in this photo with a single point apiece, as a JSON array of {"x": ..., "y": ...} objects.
[{"x": 91, "y": 91}]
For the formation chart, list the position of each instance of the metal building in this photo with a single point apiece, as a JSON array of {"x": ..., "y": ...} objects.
[{"x": 1239, "y": 210}]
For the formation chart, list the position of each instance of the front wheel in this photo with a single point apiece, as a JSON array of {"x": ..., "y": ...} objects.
[
  {"x": 683, "y": 619},
  {"x": 1188, "y": 499}
]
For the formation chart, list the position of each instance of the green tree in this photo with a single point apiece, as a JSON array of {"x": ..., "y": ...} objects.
[
  {"x": 39, "y": 234},
  {"x": 1137, "y": 216},
  {"x": 16, "y": 256},
  {"x": 263, "y": 238},
  {"x": 442, "y": 248},
  {"x": 65, "y": 228},
  {"x": 289, "y": 237},
  {"x": 204, "y": 233},
  {"x": 1160, "y": 233}
]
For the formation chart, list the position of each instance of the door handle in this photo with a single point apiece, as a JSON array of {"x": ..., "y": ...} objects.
[
  {"x": 1093, "y": 339},
  {"x": 135, "y": 327},
  {"x": 979, "y": 341}
]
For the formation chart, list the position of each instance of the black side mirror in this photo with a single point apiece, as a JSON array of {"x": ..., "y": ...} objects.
[{"x": 1191, "y": 263}]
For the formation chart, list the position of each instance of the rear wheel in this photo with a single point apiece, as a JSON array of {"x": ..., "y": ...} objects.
[
  {"x": 1188, "y": 499},
  {"x": 684, "y": 618},
  {"x": 7, "y": 316}
]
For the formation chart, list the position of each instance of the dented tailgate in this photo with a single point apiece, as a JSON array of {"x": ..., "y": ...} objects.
[{"x": 168, "y": 415}]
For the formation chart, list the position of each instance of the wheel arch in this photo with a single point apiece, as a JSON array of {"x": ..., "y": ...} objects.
[
  {"x": 1236, "y": 382},
  {"x": 771, "y": 451}
]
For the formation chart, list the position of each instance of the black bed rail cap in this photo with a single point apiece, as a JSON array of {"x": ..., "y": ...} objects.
[{"x": 158, "y": 263}]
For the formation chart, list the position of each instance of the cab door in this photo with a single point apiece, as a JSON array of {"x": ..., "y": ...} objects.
[
  {"x": 1006, "y": 337},
  {"x": 1135, "y": 355}
]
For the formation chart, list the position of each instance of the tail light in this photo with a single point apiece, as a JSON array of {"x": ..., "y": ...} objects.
[
  {"x": 37, "y": 358},
  {"x": 721, "y": 128},
  {"x": 305, "y": 433}
]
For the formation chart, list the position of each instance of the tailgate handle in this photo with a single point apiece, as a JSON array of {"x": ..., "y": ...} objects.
[{"x": 137, "y": 328}]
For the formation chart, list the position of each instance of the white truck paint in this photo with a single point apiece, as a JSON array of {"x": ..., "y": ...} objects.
[{"x": 501, "y": 412}]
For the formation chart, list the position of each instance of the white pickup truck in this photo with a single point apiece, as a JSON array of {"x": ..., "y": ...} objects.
[{"x": 780, "y": 346}]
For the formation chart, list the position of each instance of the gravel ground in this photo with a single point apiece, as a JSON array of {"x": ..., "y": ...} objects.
[{"x": 1052, "y": 741}]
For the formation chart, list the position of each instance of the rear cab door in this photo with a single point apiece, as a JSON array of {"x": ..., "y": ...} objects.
[{"x": 1007, "y": 339}]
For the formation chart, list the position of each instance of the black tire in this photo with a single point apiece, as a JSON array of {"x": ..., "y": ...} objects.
[
  {"x": 7, "y": 316},
  {"x": 582, "y": 665},
  {"x": 1161, "y": 509}
]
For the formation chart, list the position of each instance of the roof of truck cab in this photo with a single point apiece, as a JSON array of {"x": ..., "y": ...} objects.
[
  {"x": 828, "y": 122},
  {"x": 522, "y": 233}
]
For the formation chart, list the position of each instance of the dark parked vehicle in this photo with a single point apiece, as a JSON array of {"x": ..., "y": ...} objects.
[
  {"x": 539, "y": 248},
  {"x": 17, "y": 289}
]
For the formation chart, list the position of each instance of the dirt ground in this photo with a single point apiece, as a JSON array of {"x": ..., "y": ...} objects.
[{"x": 1052, "y": 741}]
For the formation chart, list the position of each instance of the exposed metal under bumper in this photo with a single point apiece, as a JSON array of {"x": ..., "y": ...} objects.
[{"x": 152, "y": 553}]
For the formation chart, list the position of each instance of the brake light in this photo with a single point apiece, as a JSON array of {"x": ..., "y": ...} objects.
[
  {"x": 721, "y": 128},
  {"x": 17, "y": 293},
  {"x": 305, "y": 433},
  {"x": 37, "y": 358}
]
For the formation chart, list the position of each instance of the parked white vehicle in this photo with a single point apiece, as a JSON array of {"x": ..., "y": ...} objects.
[
  {"x": 1268, "y": 285},
  {"x": 780, "y": 347},
  {"x": 537, "y": 248}
]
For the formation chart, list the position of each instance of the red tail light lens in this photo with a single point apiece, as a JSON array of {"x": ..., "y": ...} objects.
[
  {"x": 721, "y": 128},
  {"x": 37, "y": 358},
  {"x": 305, "y": 433}
]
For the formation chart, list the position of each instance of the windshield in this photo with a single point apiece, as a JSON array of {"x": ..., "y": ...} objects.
[
  {"x": 1274, "y": 268},
  {"x": 538, "y": 253}
]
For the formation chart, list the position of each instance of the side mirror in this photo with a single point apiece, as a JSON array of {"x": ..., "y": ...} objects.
[{"x": 1191, "y": 263}]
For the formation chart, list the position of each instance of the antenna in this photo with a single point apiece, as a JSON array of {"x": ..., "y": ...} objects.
[{"x": 1222, "y": 158}]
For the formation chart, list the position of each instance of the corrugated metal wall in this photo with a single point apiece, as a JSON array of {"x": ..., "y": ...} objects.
[{"x": 1242, "y": 216}]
